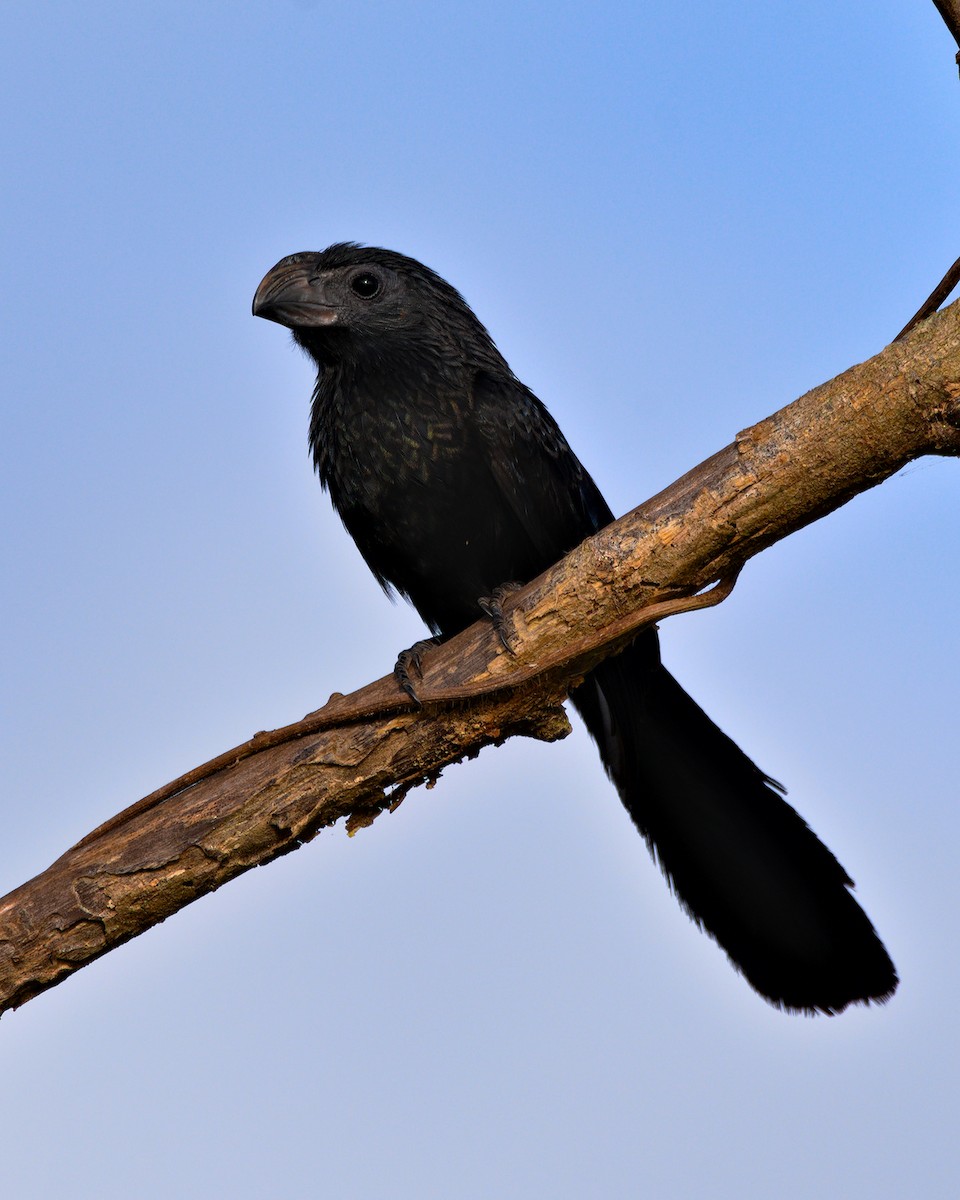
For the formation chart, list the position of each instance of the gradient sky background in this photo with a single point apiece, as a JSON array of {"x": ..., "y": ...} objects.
[{"x": 674, "y": 219}]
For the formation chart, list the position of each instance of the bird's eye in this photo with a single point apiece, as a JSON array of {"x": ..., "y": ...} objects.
[{"x": 366, "y": 285}]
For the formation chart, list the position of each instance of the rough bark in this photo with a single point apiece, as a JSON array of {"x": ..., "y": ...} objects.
[{"x": 360, "y": 754}]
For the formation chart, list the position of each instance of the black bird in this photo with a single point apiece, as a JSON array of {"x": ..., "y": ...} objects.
[{"x": 453, "y": 479}]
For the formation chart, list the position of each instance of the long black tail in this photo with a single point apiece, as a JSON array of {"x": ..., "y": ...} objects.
[{"x": 743, "y": 864}]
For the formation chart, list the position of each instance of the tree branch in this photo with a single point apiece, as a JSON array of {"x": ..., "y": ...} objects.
[{"x": 360, "y": 754}]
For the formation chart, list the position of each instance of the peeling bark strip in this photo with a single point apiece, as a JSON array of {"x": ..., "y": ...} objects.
[{"x": 361, "y": 753}]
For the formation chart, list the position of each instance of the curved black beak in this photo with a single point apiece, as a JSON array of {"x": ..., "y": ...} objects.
[{"x": 293, "y": 294}]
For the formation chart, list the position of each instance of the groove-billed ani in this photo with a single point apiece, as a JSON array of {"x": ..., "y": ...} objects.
[{"x": 453, "y": 479}]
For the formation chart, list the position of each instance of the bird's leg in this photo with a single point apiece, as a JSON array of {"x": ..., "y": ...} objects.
[
  {"x": 492, "y": 606},
  {"x": 411, "y": 660}
]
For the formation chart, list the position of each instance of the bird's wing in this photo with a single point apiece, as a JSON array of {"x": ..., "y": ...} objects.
[{"x": 538, "y": 476}]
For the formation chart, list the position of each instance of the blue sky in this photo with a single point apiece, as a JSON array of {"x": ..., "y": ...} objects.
[{"x": 673, "y": 221}]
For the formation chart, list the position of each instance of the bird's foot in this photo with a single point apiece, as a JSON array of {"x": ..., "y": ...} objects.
[
  {"x": 411, "y": 661},
  {"x": 492, "y": 606}
]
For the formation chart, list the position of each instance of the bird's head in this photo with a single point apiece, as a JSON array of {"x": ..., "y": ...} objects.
[{"x": 350, "y": 301}]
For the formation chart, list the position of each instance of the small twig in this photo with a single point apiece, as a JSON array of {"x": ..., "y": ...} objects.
[
  {"x": 934, "y": 300},
  {"x": 950, "y": 11}
]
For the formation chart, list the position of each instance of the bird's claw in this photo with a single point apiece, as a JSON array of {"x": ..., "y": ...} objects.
[
  {"x": 492, "y": 606},
  {"x": 411, "y": 661}
]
